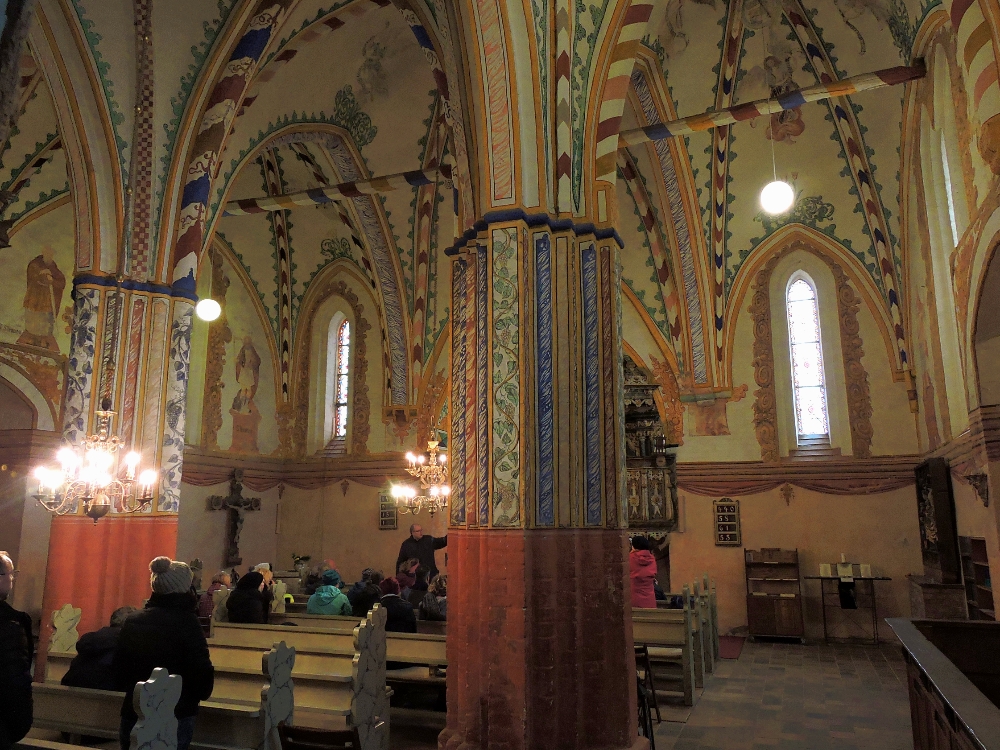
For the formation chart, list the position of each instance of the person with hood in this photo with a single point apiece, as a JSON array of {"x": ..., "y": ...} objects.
[
  {"x": 206, "y": 604},
  {"x": 16, "y": 651},
  {"x": 329, "y": 599},
  {"x": 165, "y": 634},
  {"x": 642, "y": 572},
  {"x": 248, "y": 603},
  {"x": 399, "y": 612},
  {"x": 95, "y": 653}
]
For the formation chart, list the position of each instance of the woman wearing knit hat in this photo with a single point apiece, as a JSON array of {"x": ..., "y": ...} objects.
[{"x": 165, "y": 634}]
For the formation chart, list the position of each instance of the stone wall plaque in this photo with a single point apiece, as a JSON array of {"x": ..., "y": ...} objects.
[{"x": 727, "y": 522}]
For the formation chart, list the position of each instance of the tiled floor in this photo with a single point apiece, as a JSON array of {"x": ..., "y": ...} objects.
[
  {"x": 802, "y": 698},
  {"x": 787, "y": 697}
]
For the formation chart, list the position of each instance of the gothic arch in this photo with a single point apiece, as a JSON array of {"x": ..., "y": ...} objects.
[
  {"x": 330, "y": 282},
  {"x": 765, "y": 405},
  {"x": 818, "y": 243}
]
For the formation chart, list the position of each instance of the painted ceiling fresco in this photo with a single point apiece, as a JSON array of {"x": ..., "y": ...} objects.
[
  {"x": 843, "y": 162},
  {"x": 344, "y": 91}
]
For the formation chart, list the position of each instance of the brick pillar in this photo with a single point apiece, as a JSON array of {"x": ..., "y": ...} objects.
[
  {"x": 539, "y": 634},
  {"x": 147, "y": 388}
]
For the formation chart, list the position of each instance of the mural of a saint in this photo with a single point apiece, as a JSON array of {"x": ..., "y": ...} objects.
[
  {"x": 42, "y": 301},
  {"x": 246, "y": 417}
]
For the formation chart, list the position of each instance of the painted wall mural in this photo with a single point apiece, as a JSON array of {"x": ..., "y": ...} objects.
[{"x": 239, "y": 412}]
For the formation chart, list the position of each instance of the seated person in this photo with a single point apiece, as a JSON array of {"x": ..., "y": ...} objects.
[
  {"x": 91, "y": 667},
  {"x": 406, "y": 575},
  {"x": 365, "y": 600},
  {"x": 369, "y": 576},
  {"x": 419, "y": 588},
  {"x": 434, "y": 605},
  {"x": 400, "y": 617},
  {"x": 248, "y": 603},
  {"x": 329, "y": 599},
  {"x": 206, "y": 604}
]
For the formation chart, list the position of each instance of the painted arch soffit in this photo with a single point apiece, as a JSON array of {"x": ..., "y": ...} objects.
[{"x": 381, "y": 256}]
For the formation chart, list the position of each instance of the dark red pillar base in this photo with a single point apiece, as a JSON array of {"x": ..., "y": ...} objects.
[
  {"x": 539, "y": 641},
  {"x": 100, "y": 567}
]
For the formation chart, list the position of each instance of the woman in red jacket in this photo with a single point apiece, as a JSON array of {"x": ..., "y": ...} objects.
[{"x": 642, "y": 571}]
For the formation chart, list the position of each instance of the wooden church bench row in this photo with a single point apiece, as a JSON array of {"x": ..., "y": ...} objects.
[
  {"x": 224, "y": 722},
  {"x": 423, "y": 654},
  {"x": 328, "y": 683}
]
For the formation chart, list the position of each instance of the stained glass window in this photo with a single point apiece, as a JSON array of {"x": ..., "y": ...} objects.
[
  {"x": 340, "y": 384},
  {"x": 808, "y": 383}
]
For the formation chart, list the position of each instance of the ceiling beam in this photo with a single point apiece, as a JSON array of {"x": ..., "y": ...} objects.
[
  {"x": 322, "y": 195},
  {"x": 790, "y": 100}
]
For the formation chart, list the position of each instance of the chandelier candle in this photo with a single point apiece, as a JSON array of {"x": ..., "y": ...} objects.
[{"x": 430, "y": 470}]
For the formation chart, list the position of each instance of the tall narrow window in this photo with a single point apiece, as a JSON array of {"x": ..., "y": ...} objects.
[
  {"x": 340, "y": 387},
  {"x": 808, "y": 384},
  {"x": 953, "y": 220}
]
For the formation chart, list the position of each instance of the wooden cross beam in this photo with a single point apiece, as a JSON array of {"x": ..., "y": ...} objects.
[
  {"x": 322, "y": 195},
  {"x": 790, "y": 100},
  {"x": 237, "y": 506}
]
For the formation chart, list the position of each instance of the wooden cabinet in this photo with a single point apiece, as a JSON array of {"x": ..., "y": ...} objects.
[
  {"x": 976, "y": 577},
  {"x": 774, "y": 593}
]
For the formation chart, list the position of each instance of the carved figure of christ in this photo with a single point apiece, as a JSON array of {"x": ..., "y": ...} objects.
[{"x": 237, "y": 506}]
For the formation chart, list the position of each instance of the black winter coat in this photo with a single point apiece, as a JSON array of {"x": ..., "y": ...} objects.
[
  {"x": 165, "y": 634},
  {"x": 400, "y": 617},
  {"x": 92, "y": 665},
  {"x": 248, "y": 606},
  {"x": 422, "y": 549},
  {"x": 16, "y": 647}
]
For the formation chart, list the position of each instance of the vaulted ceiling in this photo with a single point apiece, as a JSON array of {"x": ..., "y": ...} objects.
[{"x": 346, "y": 92}]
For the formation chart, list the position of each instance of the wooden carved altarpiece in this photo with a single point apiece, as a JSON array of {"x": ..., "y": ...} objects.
[{"x": 651, "y": 473}]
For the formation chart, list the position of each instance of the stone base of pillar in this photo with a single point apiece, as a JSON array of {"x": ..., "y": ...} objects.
[
  {"x": 100, "y": 567},
  {"x": 540, "y": 649}
]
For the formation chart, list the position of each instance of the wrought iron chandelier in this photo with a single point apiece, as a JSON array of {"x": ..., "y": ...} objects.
[
  {"x": 96, "y": 477},
  {"x": 429, "y": 469}
]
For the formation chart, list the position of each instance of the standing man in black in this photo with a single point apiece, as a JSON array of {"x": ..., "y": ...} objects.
[
  {"x": 421, "y": 547},
  {"x": 16, "y": 648}
]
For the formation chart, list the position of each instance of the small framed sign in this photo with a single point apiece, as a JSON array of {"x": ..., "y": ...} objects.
[
  {"x": 727, "y": 522},
  {"x": 386, "y": 512}
]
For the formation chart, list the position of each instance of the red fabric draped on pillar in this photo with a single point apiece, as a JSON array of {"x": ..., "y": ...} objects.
[{"x": 100, "y": 567}]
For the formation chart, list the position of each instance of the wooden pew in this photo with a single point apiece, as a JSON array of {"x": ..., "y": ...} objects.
[
  {"x": 668, "y": 634},
  {"x": 701, "y": 610},
  {"x": 413, "y": 648},
  {"x": 224, "y": 722},
  {"x": 710, "y": 608},
  {"x": 298, "y": 615},
  {"x": 328, "y": 672},
  {"x": 424, "y": 653}
]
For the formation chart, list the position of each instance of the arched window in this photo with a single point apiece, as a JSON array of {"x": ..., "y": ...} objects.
[
  {"x": 341, "y": 362},
  {"x": 812, "y": 420}
]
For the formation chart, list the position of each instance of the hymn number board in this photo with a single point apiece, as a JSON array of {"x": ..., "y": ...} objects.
[
  {"x": 727, "y": 522},
  {"x": 386, "y": 512}
]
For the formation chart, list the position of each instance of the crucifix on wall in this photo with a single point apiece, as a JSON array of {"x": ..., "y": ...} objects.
[{"x": 237, "y": 506}]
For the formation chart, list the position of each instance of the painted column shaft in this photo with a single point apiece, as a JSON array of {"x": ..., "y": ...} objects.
[{"x": 539, "y": 620}]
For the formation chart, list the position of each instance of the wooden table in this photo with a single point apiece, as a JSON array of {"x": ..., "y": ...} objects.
[{"x": 825, "y": 598}]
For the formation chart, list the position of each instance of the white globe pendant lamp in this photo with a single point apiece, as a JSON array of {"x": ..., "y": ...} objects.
[
  {"x": 777, "y": 197},
  {"x": 208, "y": 309}
]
